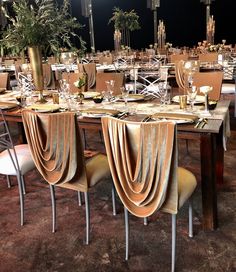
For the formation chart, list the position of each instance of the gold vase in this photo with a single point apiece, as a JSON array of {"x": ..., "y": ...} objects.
[{"x": 37, "y": 70}]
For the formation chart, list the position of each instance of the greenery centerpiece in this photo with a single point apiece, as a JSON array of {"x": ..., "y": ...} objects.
[
  {"x": 125, "y": 22},
  {"x": 39, "y": 25},
  {"x": 80, "y": 84}
]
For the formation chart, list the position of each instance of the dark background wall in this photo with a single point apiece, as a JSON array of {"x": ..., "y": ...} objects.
[{"x": 184, "y": 20}]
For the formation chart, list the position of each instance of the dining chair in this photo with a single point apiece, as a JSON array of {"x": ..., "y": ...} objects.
[
  {"x": 15, "y": 160},
  {"x": 105, "y": 60},
  {"x": 208, "y": 57},
  {"x": 143, "y": 159},
  {"x": 48, "y": 75},
  {"x": 177, "y": 57},
  {"x": 57, "y": 150},
  {"x": 4, "y": 80},
  {"x": 90, "y": 70},
  {"x": 101, "y": 79},
  {"x": 213, "y": 79},
  {"x": 71, "y": 78},
  {"x": 229, "y": 83}
]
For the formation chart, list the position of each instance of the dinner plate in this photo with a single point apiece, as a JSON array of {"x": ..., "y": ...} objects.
[
  {"x": 90, "y": 95},
  {"x": 44, "y": 107},
  {"x": 199, "y": 99},
  {"x": 132, "y": 98},
  {"x": 7, "y": 105}
]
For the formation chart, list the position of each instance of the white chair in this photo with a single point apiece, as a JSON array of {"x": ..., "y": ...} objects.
[
  {"x": 229, "y": 82},
  {"x": 14, "y": 160}
]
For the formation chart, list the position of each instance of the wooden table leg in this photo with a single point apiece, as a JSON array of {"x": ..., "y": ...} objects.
[
  {"x": 219, "y": 158},
  {"x": 208, "y": 181}
]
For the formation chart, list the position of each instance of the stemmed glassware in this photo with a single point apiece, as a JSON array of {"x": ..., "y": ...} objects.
[
  {"x": 110, "y": 89},
  {"x": 206, "y": 90},
  {"x": 125, "y": 94},
  {"x": 192, "y": 93}
]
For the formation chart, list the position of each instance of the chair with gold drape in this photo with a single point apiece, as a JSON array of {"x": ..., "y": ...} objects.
[
  {"x": 143, "y": 162},
  {"x": 90, "y": 70},
  {"x": 57, "y": 151}
]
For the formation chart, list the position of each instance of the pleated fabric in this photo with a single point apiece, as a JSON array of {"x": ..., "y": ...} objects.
[
  {"x": 143, "y": 163},
  {"x": 56, "y": 147}
]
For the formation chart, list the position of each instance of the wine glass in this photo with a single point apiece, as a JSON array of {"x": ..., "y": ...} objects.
[
  {"x": 206, "y": 90},
  {"x": 110, "y": 89},
  {"x": 125, "y": 94},
  {"x": 192, "y": 93}
]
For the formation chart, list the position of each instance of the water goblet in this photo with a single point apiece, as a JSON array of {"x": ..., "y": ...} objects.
[
  {"x": 192, "y": 93},
  {"x": 125, "y": 94}
]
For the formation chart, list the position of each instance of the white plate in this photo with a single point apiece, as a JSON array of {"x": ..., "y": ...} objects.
[
  {"x": 132, "y": 98},
  {"x": 88, "y": 95},
  {"x": 199, "y": 99},
  {"x": 44, "y": 107},
  {"x": 94, "y": 115}
]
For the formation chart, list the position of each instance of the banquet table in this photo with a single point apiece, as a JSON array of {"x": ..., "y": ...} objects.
[{"x": 212, "y": 138}]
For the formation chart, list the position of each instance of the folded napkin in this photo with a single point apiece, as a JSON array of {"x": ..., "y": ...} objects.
[
  {"x": 100, "y": 111},
  {"x": 7, "y": 105},
  {"x": 44, "y": 107},
  {"x": 176, "y": 116}
]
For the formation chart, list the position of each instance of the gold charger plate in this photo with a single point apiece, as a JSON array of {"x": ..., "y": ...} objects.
[
  {"x": 44, "y": 107},
  {"x": 7, "y": 105},
  {"x": 132, "y": 97}
]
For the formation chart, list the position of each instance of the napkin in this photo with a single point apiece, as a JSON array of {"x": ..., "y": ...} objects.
[{"x": 176, "y": 116}]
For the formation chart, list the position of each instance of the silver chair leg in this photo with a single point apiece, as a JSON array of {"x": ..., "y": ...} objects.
[
  {"x": 173, "y": 242},
  {"x": 23, "y": 184},
  {"x": 113, "y": 199},
  {"x": 190, "y": 218},
  {"x": 87, "y": 213},
  {"x": 21, "y": 200},
  {"x": 145, "y": 221},
  {"x": 8, "y": 182},
  {"x": 53, "y": 200},
  {"x": 79, "y": 198},
  {"x": 126, "y": 234}
]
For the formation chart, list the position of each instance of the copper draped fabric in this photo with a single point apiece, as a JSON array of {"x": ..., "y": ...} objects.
[
  {"x": 56, "y": 147},
  {"x": 143, "y": 163},
  {"x": 179, "y": 75}
]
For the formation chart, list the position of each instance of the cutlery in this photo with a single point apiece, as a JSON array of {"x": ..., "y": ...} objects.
[
  {"x": 198, "y": 122},
  {"x": 204, "y": 121}
]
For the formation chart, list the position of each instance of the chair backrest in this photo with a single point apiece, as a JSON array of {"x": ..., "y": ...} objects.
[
  {"x": 90, "y": 70},
  {"x": 177, "y": 57},
  {"x": 208, "y": 57},
  {"x": 48, "y": 76},
  {"x": 4, "y": 80},
  {"x": 56, "y": 147},
  {"x": 106, "y": 60},
  {"x": 101, "y": 79},
  {"x": 143, "y": 163},
  {"x": 6, "y": 142},
  {"x": 213, "y": 79},
  {"x": 72, "y": 77},
  {"x": 9, "y": 62}
]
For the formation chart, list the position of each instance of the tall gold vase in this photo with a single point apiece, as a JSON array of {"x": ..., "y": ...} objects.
[{"x": 37, "y": 70}]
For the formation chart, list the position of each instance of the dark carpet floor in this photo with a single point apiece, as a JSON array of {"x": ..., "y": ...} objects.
[{"x": 34, "y": 247}]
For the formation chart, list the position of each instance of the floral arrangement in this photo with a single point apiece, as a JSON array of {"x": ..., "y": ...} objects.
[
  {"x": 80, "y": 82},
  {"x": 204, "y": 46}
]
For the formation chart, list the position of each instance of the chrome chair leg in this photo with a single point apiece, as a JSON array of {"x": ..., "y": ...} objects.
[
  {"x": 190, "y": 218},
  {"x": 8, "y": 182},
  {"x": 113, "y": 191},
  {"x": 145, "y": 221},
  {"x": 79, "y": 198},
  {"x": 53, "y": 200},
  {"x": 173, "y": 242},
  {"x": 87, "y": 213},
  {"x": 126, "y": 234},
  {"x": 21, "y": 200},
  {"x": 23, "y": 184}
]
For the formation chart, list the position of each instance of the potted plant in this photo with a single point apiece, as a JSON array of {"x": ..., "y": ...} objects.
[
  {"x": 125, "y": 22},
  {"x": 38, "y": 25}
]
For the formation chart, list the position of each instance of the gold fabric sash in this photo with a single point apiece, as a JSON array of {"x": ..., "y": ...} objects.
[
  {"x": 143, "y": 163},
  {"x": 56, "y": 147}
]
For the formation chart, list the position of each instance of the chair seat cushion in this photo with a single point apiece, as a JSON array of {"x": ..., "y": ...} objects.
[
  {"x": 186, "y": 185},
  {"x": 228, "y": 88},
  {"x": 97, "y": 168},
  {"x": 24, "y": 159}
]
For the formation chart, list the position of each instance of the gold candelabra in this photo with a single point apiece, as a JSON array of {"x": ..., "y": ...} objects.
[
  {"x": 210, "y": 30},
  {"x": 161, "y": 35}
]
